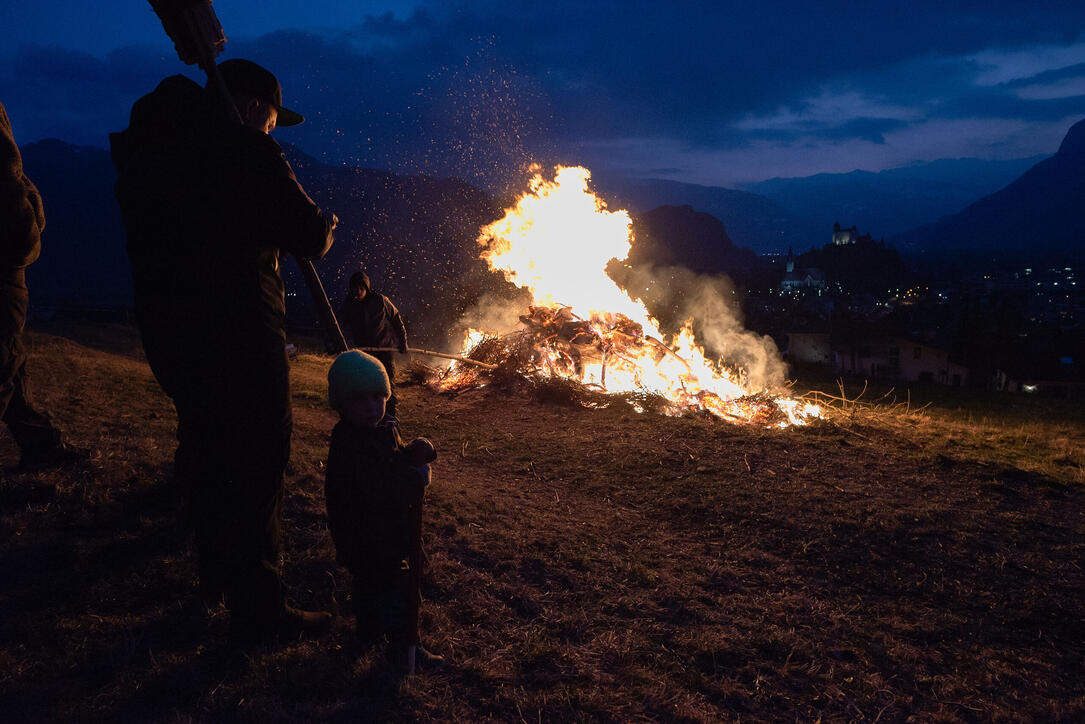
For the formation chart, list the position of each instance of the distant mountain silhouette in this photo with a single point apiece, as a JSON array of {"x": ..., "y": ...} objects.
[
  {"x": 677, "y": 255},
  {"x": 752, "y": 221},
  {"x": 680, "y": 236},
  {"x": 895, "y": 200},
  {"x": 1041, "y": 214},
  {"x": 414, "y": 235}
]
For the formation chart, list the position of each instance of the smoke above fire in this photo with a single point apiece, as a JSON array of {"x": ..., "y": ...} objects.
[
  {"x": 562, "y": 246},
  {"x": 674, "y": 294}
]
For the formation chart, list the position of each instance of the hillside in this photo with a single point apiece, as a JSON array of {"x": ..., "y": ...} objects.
[
  {"x": 1041, "y": 215},
  {"x": 414, "y": 235},
  {"x": 694, "y": 240},
  {"x": 586, "y": 564},
  {"x": 867, "y": 266}
]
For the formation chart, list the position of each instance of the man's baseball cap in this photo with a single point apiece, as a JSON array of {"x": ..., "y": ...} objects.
[{"x": 247, "y": 78}]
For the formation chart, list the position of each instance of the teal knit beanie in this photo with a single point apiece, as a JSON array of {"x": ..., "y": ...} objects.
[{"x": 353, "y": 373}]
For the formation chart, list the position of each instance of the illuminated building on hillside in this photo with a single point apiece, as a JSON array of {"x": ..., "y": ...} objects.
[
  {"x": 794, "y": 279},
  {"x": 844, "y": 237}
]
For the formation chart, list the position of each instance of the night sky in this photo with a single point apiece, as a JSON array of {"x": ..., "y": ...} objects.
[{"x": 712, "y": 93}]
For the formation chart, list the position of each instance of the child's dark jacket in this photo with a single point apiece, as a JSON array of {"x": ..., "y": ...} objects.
[{"x": 370, "y": 489}]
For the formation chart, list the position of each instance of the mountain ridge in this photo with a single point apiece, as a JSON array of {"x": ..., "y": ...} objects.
[
  {"x": 894, "y": 200},
  {"x": 1041, "y": 213}
]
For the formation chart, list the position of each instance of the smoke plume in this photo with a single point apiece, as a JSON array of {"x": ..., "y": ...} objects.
[{"x": 674, "y": 294}]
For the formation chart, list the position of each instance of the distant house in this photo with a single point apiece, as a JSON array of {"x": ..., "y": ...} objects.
[
  {"x": 885, "y": 358},
  {"x": 894, "y": 358},
  {"x": 808, "y": 278}
]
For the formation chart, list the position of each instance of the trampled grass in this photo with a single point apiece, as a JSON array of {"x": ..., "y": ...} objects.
[{"x": 586, "y": 564}]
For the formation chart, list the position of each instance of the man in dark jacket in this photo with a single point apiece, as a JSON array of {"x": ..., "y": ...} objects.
[
  {"x": 374, "y": 321},
  {"x": 22, "y": 220},
  {"x": 210, "y": 207}
]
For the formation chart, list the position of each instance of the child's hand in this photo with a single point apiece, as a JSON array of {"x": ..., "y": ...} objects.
[{"x": 419, "y": 452}]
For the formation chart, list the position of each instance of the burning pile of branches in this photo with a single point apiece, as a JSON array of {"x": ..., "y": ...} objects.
[
  {"x": 564, "y": 344},
  {"x": 555, "y": 343},
  {"x": 565, "y": 359},
  {"x": 556, "y": 243}
]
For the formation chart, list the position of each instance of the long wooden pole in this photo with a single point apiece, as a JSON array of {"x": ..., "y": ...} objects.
[
  {"x": 333, "y": 333},
  {"x": 431, "y": 353}
]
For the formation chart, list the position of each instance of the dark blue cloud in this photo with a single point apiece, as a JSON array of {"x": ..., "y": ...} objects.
[
  {"x": 872, "y": 130},
  {"x": 477, "y": 89},
  {"x": 56, "y": 93},
  {"x": 645, "y": 68},
  {"x": 1049, "y": 76},
  {"x": 1008, "y": 106}
]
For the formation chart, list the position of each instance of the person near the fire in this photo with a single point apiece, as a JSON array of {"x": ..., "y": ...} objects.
[
  {"x": 374, "y": 321},
  {"x": 373, "y": 483},
  {"x": 22, "y": 219},
  {"x": 210, "y": 207}
]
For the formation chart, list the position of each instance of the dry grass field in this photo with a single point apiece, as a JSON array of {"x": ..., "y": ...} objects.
[{"x": 891, "y": 563}]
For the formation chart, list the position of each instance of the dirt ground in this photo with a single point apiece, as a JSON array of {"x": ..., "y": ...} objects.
[{"x": 890, "y": 563}]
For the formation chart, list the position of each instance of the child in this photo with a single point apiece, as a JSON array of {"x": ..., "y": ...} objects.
[{"x": 373, "y": 485}]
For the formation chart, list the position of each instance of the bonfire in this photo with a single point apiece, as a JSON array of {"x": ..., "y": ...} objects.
[{"x": 583, "y": 329}]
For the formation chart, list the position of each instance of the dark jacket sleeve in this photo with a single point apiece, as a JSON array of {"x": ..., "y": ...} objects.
[
  {"x": 396, "y": 321},
  {"x": 288, "y": 216},
  {"x": 22, "y": 217}
]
